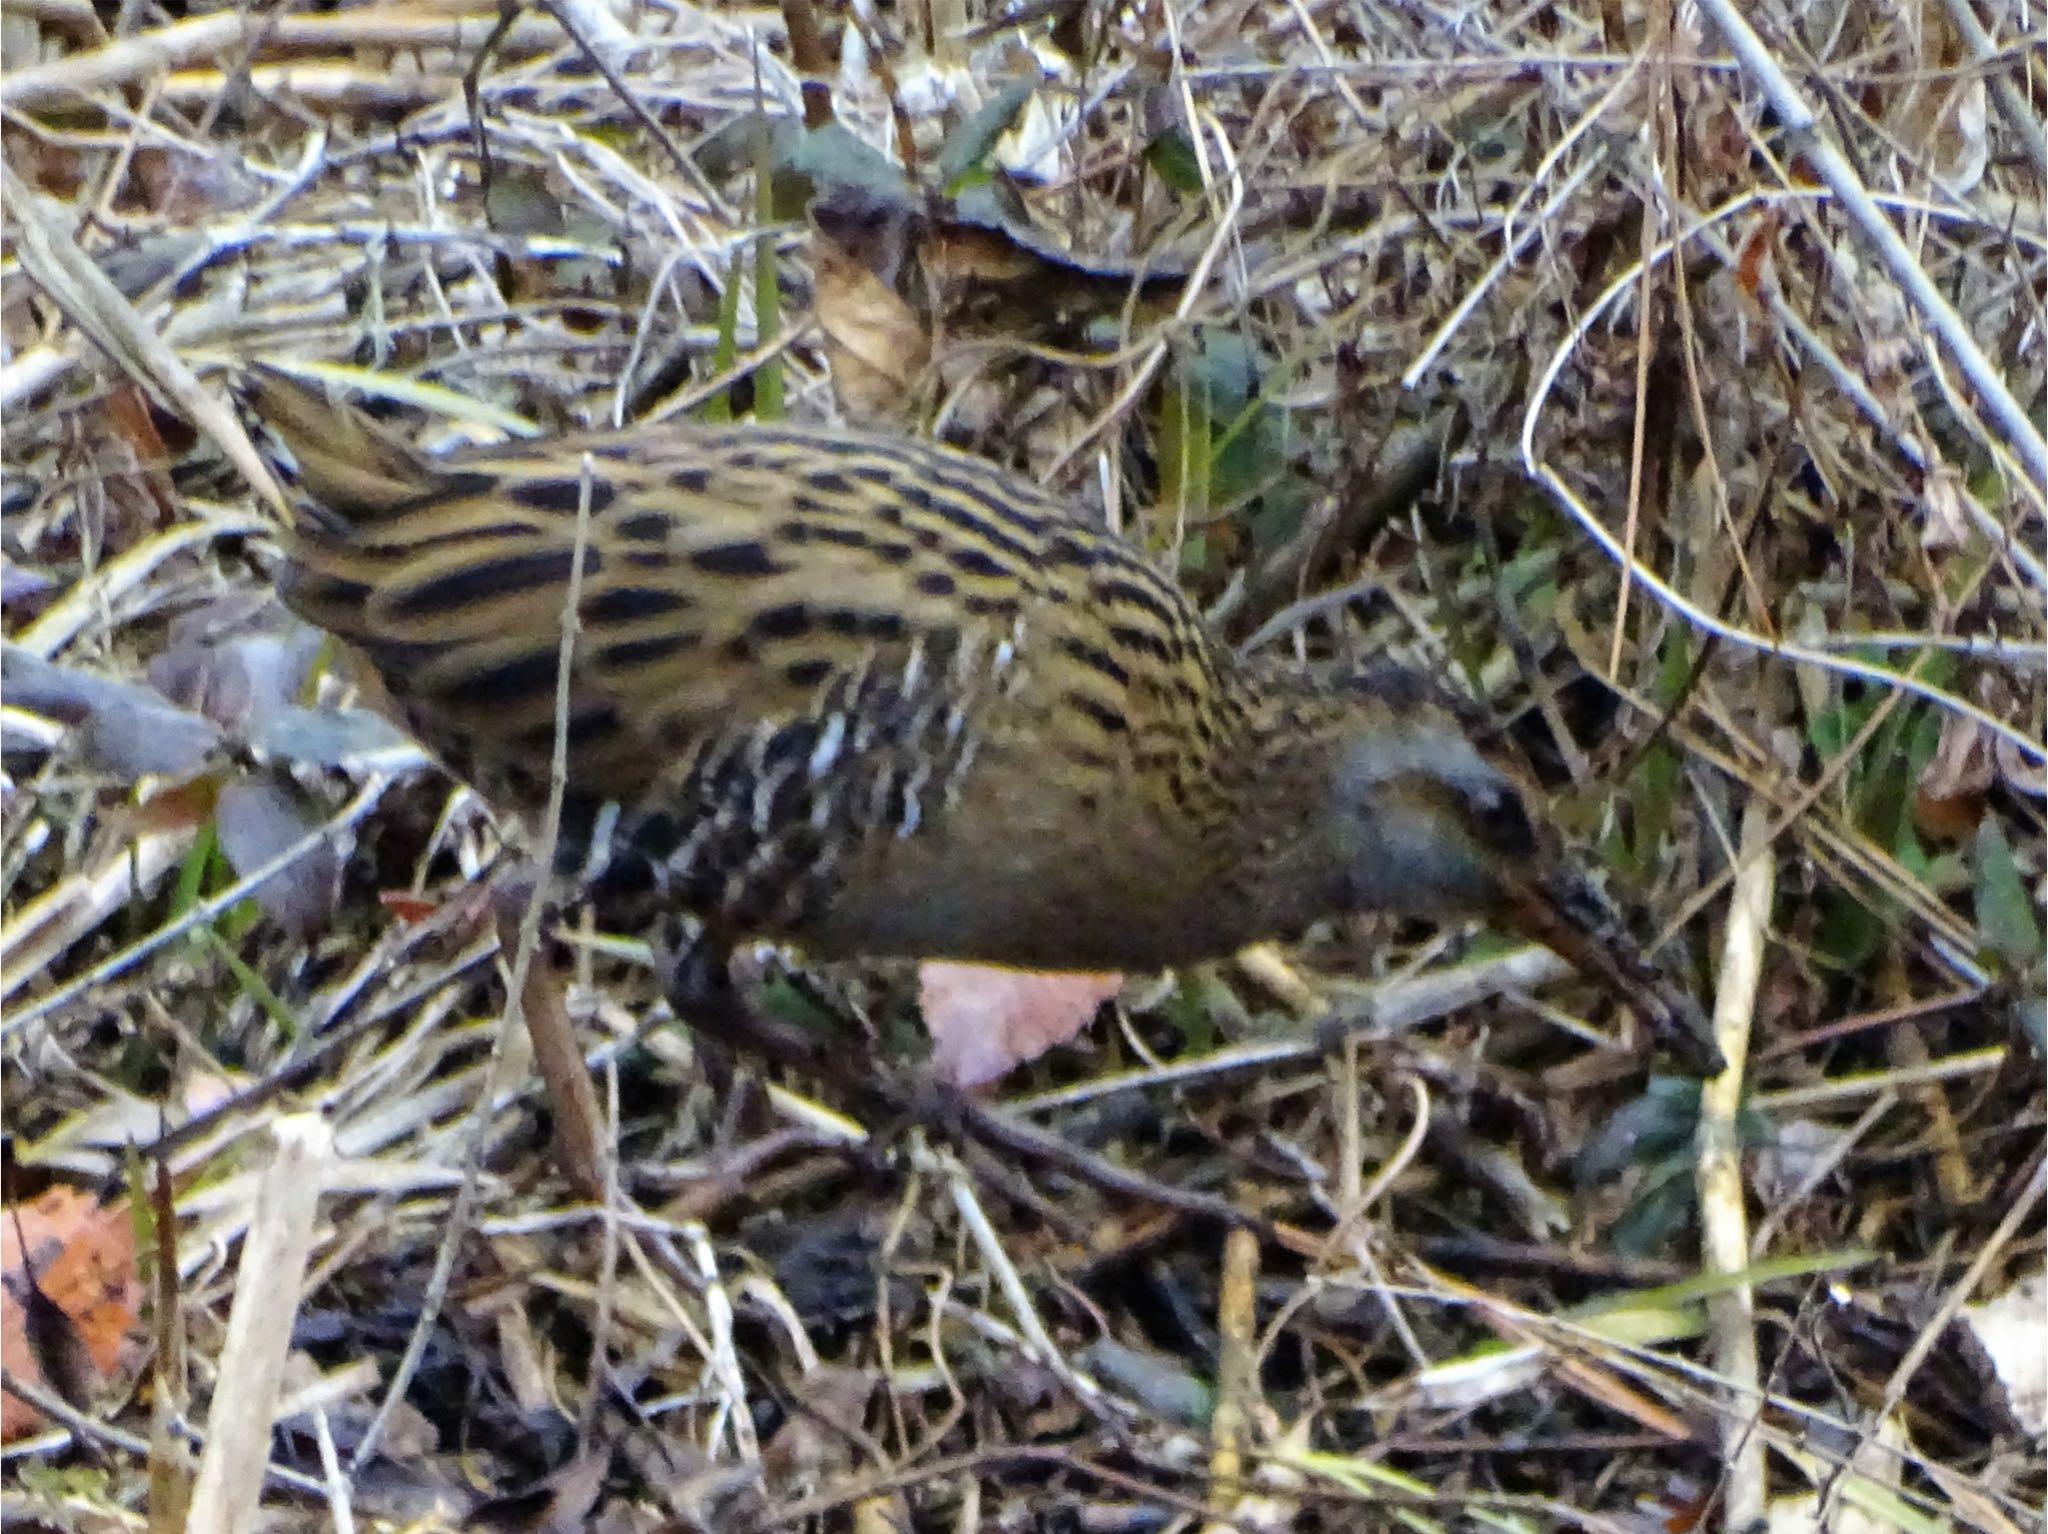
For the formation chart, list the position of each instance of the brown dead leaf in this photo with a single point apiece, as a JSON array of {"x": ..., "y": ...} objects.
[
  {"x": 558, "y": 1504},
  {"x": 83, "y": 1253},
  {"x": 175, "y": 808},
  {"x": 55, "y": 1344},
  {"x": 407, "y": 907},
  {"x": 146, "y": 472},
  {"x": 580, "y": 1131},
  {"x": 877, "y": 346},
  {"x": 983, "y": 1020},
  {"x": 1962, "y": 145},
  {"x": 820, "y": 1436},
  {"x": 1757, "y": 249},
  {"x": 187, "y": 188},
  {"x": 1946, "y": 523},
  {"x": 1949, "y": 799}
]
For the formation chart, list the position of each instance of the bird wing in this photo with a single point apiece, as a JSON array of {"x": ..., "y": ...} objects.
[{"x": 728, "y": 577}]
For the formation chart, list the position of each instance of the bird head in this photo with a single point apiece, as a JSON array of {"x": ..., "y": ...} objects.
[{"x": 1429, "y": 822}]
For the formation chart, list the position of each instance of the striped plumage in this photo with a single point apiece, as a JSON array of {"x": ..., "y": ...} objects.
[{"x": 881, "y": 698}]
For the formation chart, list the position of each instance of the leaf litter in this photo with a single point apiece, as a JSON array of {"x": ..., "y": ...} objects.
[{"x": 1391, "y": 225}]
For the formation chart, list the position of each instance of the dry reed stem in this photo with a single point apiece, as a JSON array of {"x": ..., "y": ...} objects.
[
  {"x": 235, "y": 1461},
  {"x": 1724, "y": 1218}
]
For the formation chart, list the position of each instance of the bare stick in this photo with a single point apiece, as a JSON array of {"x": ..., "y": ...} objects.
[
  {"x": 1724, "y": 1225},
  {"x": 280, "y": 1239}
]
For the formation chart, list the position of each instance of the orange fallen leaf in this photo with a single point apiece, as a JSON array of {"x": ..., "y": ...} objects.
[{"x": 83, "y": 1253}]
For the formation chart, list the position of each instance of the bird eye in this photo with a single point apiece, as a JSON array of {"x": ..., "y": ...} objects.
[{"x": 1501, "y": 820}]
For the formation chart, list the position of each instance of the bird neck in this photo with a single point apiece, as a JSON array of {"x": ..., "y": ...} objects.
[{"x": 1262, "y": 863}]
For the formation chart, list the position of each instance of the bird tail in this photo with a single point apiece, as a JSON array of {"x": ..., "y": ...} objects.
[{"x": 343, "y": 470}]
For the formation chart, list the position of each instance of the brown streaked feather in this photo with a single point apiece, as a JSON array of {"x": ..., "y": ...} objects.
[{"x": 342, "y": 463}]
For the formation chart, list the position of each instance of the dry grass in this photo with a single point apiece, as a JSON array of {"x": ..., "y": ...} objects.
[{"x": 1732, "y": 521}]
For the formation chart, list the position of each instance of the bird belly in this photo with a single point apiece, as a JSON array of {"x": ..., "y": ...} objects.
[{"x": 1027, "y": 901}]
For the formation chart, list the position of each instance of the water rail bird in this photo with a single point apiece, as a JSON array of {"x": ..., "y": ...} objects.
[{"x": 877, "y": 697}]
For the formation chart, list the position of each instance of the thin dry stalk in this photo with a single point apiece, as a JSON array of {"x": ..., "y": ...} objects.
[
  {"x": 250, "y": 1375},
  {"x": 1724, "y": 1219}
]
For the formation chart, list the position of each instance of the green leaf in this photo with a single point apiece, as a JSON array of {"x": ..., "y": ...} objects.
[
  {"x": 1172, "y": 158},
  {"x": 1154, "y": 1379},
  {"x": 805, "y": 163},
  {"x": 1657, "y": 1217},
  {"x": 192, "y": 873},
  {"x": 1215, "y": 437},
  {"x": 2005, "y": 911},
  {"x": 141, "y": 1212},
  {"x": 1283, "y": 508},
  {"x": 1655, "y": 799},
  {"x": 830, "y": 159},
  {"x": 1700, "y": 1286},
  {"x": 729, "y": 148},
  {"x": 1655, "y": 1126},
  {"x": 1850, "y": 932},
  {"x": 1189, "y": 1016},
  {"x": 254, "y": 986},
  {"x": 2031, "y": 1015},
  {"x": 767, "y": 283},
  {"x": 718, "y": 408},
  {"x": 1831, "y": 730},
  {"x": 518, "y": 200},
  {"x": 1912, "y": 856},
  {"x": 967, "y": 148},
  {"x": 783, "y": 1001},
  {"x": 1225, "y": 368},
  {"x": 1183, "y": 438}
]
